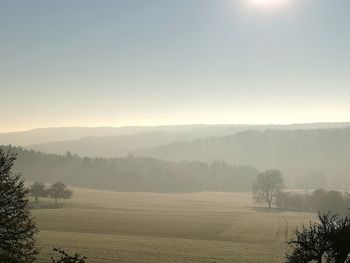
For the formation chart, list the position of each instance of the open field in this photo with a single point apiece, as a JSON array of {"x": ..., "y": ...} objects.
[{"x": 144, "y": 227}]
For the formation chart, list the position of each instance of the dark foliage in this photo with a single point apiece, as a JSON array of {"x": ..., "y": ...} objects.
[
  {"x": 38, "y": 190},
  {"x": 17, "y": 228},
  {"x": 59, "y": 191},
  {"x": 326, "y": 241},
  {"x": 64, "y": 257}
]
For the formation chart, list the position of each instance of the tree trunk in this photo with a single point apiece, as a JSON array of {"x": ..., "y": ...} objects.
[
  {"x": 36, "y": 199},
  {"x": 269, "y": 203},
  {"x": 55, "y": 201}
]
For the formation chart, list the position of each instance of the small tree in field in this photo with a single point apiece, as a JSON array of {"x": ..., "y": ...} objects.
[
  {"x": 267, "y": 187},
  {"x": 38, "y": 190},
  {"x": 59, "y": 191},
  {"x": 17, "y": 228}
]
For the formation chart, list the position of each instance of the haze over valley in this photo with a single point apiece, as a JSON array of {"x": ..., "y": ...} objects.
[
  {"x": 309, "y": 155},
  {"x": 175, "y": 131}
]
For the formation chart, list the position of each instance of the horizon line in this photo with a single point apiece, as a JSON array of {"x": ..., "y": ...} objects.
[{"x": 173, "y": 125}]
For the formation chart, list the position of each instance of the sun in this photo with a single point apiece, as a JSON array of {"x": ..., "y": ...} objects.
[{"x": 268, "y": 3}]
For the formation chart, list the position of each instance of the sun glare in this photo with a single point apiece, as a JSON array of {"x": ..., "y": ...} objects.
[{"x": 268, "y": 3}]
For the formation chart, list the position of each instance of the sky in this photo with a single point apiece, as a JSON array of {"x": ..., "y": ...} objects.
[{"x": 159, "y": 62}]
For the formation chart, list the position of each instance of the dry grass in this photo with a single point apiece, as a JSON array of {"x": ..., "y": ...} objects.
[{"x": 142, "y": 227}]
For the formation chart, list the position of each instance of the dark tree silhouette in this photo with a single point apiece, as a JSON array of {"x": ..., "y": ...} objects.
[
  {"x": 326, "y": 241},
  {"x": 38, "y": 190},
  {"x": 64, "y": 257},
  {"x": 338, "y": 237},
  {"x": 308, "y": 245},
  {"x": 17, "y": 228},
  {"x": 267, "y": 187},
  {"x": 59, "y": 191}
]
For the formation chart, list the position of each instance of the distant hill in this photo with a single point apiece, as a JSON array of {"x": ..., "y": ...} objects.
[
  {"x": 121, "y": 141},
  {"x": 132, "y": 174},
  {"x": 113, "y": 146},
  {"x": 45, "y": 135},
  {"x": 305, "y": 156}
]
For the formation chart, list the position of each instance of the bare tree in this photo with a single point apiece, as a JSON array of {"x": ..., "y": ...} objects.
[{"x": 267, "y": 186}]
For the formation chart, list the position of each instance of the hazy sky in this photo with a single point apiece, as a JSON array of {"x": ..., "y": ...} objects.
[{"x": 136, "y": 62}]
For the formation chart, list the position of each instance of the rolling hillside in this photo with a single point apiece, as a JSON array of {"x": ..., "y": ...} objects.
[
  {"x": 37, "y": 138},
  {"x": 313, "y": 156}
]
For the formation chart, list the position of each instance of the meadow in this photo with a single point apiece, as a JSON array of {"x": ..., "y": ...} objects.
[{"x": 145, "y": 227}]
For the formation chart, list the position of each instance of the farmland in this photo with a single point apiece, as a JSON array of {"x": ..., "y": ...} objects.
[{"x": 145, "y": 227}]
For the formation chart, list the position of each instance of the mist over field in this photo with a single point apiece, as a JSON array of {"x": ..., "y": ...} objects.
[{"x": 175, "y": 131}]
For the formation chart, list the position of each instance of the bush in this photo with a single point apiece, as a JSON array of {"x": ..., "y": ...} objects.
[
  {"x": 319, "y": 201},
  {"x": 64, "y": 257}
]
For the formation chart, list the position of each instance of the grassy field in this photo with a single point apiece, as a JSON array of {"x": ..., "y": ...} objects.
[{"x": 144, "y": 227}]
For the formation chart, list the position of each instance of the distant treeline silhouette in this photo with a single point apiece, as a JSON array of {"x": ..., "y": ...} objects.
[
  {"x": 132, "y": 174},
  {"x": 318, "y": 201}
]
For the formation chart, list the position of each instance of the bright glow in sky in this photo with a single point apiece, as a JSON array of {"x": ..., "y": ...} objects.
[
  {"x": 270, "y": 4},
  {"x": 113, "y": 63}
]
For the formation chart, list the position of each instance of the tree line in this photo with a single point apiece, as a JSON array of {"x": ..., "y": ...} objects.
[
  {"x": 318, "y": 201},
  {"x": 132, "y": 174}
]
